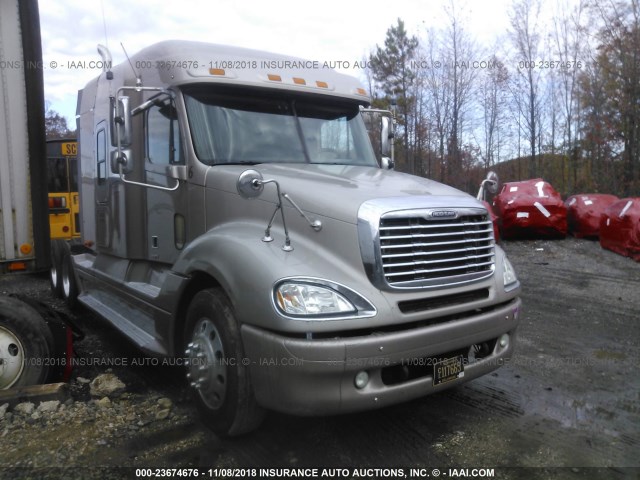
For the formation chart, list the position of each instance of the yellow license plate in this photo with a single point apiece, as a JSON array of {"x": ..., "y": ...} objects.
[{"x": 448, "y": 369}]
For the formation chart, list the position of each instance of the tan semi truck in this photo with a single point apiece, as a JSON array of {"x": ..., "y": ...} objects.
[{"x": 234, "y": 216}]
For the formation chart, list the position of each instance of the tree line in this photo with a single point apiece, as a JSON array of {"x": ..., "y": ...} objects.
[{"x": 556, "y": 98}]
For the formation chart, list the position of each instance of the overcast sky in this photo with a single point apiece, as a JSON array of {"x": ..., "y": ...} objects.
[{"x": 327, "y": 30}]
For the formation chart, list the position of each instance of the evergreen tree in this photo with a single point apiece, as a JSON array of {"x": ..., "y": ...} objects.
[{"x": 392, "y": 70}]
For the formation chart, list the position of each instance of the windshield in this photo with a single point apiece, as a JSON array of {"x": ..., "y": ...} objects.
[{"x": 251, "y": 127}]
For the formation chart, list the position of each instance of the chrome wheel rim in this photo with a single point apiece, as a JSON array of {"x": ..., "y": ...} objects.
[
  {"x": 207, "y": 364},
  {"x": 12, "y": 358}
]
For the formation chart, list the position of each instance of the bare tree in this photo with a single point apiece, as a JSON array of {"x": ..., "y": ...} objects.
[
  {"x": 368, "y": 77},
  {"x": 460, "y": 52},
  {"x": 55, "y": 124},
  {"x": 619, "y": 59},
  {"x": 437, "y": 83},
  {"x": 597, "y": 137},
  {"x": 422, "y": 129},
  {"x": 568, "y": 39},
  {"x": 492, "y": 97},
  {"x": 526, "y": 40},
  {"x": 570, "y": 89}
]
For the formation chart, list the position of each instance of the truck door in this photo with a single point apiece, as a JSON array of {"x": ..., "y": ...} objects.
[{"x": 166, "y": 210}]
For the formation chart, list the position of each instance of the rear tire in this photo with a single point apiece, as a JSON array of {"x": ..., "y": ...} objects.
[
  {"x": 24, "y": 345},
  {"x": 220, "y": 380},
  {"x": 69, "y": 284},
  {"x": 55, "y": 272}
]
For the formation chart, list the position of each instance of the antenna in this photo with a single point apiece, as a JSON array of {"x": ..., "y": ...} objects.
[
  {"x": 104, "y": 50},
  {"x": 104, "y": 24},
  {"x": 138, "y": 79}
]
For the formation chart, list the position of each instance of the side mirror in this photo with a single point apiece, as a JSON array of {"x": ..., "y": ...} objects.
[
  {"x": 387, "y": 164},
  {"x": 250, "y": 184},
  {"x": 489, "y": 184},
  {"x": 120, "y": 121},
  {"x": 386, "y": 135},
  {"x": 492, "y": 182},
  {"x": 123, "y": 159}
]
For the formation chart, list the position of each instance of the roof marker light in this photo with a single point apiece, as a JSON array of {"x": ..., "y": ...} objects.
[
  {"x": 299, "y": 81},
  {"x": 274, "y": 78},
  {"x": 361, "y": 91},
  {"x": 217, "y": 71},
  {"x": 322, "y": 84}
]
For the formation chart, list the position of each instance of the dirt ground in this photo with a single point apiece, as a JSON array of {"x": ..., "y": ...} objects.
[{"x": 566, "y": 406}]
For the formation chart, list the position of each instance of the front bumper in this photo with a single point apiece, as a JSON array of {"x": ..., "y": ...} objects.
[{"x": 316, "y": 377}]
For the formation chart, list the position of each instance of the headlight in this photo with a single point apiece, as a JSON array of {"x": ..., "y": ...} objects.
[
  {"x": 509, "y": 274},
  {"x": 306, "y": 299}
]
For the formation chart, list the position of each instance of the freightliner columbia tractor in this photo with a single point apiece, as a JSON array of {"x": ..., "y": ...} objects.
[{"x": 234, "y": 216}]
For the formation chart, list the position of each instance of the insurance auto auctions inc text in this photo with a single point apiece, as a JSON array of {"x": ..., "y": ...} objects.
[{"x": 349, "y": 473}]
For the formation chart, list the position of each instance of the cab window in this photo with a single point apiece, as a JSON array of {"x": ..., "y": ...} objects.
[
  {"x": 162, "y": 134},
  {"x": 101, "y": 156}
]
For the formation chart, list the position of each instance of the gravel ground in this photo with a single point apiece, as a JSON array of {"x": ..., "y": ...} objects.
[{"x": 120, "y": 405}]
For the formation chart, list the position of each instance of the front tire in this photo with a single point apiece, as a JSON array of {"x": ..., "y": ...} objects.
[{"x": 217, "y": 370}]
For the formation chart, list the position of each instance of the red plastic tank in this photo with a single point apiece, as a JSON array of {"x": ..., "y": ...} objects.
[
  {"x": 620, "y": 228},
  {"x": 531, "y": 209},
  {"x": 584, "y": 212}
]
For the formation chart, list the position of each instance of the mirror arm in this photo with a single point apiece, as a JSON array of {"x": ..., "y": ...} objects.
[
  {"x": 140, "y": 184},
  {"x": 267, "y": 234},
  {"x": 315, "y": 224},
  {"x": 481, "y": 192},
  {"x": 251, "y": 184},
  {"x": 121, "y": 158}
]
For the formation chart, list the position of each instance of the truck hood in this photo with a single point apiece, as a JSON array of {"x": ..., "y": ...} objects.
[{"x": 338, "y": 191}]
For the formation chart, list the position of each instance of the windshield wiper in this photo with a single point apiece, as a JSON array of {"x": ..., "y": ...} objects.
[
  {"x": 241, "y": 162},
  {"x": 305, "y": 149}
]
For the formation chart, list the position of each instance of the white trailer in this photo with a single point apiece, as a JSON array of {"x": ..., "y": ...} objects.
[
  {"x": 24, "y": 243},
  {"x": 29, "y": 333}
]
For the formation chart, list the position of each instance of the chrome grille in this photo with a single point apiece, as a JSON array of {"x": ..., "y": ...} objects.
[{"x": 420, "y": 251}]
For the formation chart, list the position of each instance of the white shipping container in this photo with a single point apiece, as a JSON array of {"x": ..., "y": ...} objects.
[{"x": 21, "y": 136}]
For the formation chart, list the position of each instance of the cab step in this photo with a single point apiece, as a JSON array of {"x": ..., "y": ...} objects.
[{"x": 135, "y": 324}]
